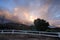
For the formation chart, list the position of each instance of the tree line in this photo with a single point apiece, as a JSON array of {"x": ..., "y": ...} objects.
[{"x": 39, "y": 25}]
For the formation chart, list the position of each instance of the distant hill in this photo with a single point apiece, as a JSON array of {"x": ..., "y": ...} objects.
[{"x": 9, "y": 24}]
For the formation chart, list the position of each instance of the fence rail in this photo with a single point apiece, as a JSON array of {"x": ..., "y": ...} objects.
[{"x": 50, "y": 34}]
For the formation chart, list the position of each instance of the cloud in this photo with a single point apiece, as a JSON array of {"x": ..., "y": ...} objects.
[
  {"x": 7, "y": 15},
  {"x": 28, "y": 10}
]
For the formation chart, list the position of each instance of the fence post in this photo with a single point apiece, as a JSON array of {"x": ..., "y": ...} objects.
[
  {"x": 59, "y": 34},
  {"x": 12, "y": 31},
  {"x": 1, "y": 31}
]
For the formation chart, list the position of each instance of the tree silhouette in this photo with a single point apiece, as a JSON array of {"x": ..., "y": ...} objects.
[{"x": 41, "y": 24}]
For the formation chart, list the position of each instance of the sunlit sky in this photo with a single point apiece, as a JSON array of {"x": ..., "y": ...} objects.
[{"x": 26, "y": 11}]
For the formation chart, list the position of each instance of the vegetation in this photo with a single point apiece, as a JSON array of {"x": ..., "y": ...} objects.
[
  {"x": 15, "y": 26},
  {"x": 41, "y": 25}
]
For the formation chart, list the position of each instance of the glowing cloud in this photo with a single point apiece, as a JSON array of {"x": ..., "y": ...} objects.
[{"x": 27, "y": 10}]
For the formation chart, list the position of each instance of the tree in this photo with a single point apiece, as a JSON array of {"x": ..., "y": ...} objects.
[
  {"x": 41, "y": 24},
  {"x": 32, "y": 27}
]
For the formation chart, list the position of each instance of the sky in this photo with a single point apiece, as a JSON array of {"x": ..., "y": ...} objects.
[{"x": 26, "y": 11}]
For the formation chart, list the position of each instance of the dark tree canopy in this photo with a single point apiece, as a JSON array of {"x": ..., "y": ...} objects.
[{"x": 41, "y": 24}]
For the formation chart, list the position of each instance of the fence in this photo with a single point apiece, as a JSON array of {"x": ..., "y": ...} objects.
[{"x": 50, "y": 34}]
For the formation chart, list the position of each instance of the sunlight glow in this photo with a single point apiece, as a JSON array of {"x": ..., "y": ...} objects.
[{"x": 32, "y": 18}]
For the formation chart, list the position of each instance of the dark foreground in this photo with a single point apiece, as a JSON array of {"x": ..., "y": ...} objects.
[{"x": 25, "y": 37}]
